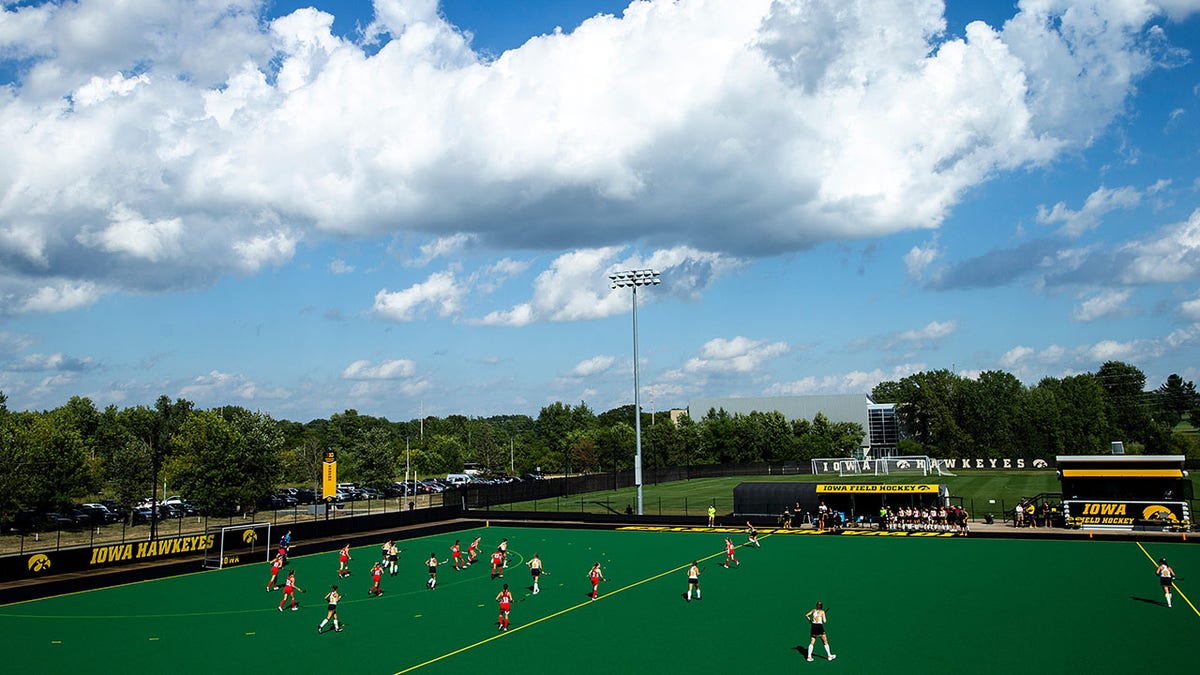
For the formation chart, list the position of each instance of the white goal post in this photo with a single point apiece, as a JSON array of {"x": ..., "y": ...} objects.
[{"x": 233, "y": 541}]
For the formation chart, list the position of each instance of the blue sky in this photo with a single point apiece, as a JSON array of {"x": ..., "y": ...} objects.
[{"x": 404, "y": 205}]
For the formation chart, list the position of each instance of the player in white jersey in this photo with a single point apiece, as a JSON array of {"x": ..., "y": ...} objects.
[
  {"x": 332, "y": 598},
  {"x": 817, "y": 619},
  {"x": 1166, "y": 577}
]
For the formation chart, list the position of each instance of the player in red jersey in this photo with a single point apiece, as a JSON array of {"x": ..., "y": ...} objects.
[
  {"x": 456, "y": 553},
  {"x": 473, "y": 550},
  {"x": 729, "y": 554},
  {"x": 498, "y": 564},
  {"x": 276, "y": 565},
  {"x": 344, "y": 561},
  {"x": 596, "y": 576},
  {"x": 505, "y": 600},
  {"x": 376, "y": 575},
  {"x": 289, "y": 591}
]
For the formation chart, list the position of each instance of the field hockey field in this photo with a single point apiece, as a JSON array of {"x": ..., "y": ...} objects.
[{"x": 911, "y": 604}]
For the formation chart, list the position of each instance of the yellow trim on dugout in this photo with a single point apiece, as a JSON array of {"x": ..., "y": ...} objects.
[
  {"x": 872, "y": 488},
  {"x": 1122, "y": 473}
]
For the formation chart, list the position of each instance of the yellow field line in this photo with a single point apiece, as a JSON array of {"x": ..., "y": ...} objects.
[
  {"x": 560, "y": 613},
  {"x": 1177, "y": 588}
]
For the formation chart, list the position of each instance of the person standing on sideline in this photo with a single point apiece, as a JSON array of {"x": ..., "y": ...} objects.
[
  {"x": 456, "y": 553},
  {"x": 1166, "y": 577},
  {"x": 276, "y": 565},
  {"x": 505, "y": 600},
  {"x": 344, "y": 561},
  {"x": 376, "y": 575},
  {"x": 331, "y": 614},
  {"x": 729, "y": 554},
  {"x": 535, "y": 569},
  {"x": 693, "y": 581},
  {"x": 816, "y": 618},
  {"x": 712, "y": 514},
  {"x": 596, "y": 576},
  {"x": 289, "y": 591},
  {"x": 433, "y": 563}
]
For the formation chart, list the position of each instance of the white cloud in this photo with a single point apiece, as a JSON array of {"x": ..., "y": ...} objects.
[
  {"x": 1105, "y": 304},
  {"x": 1190, "y": 309},
  {"x": 576, "y": 286},
  {"x": 919, "y": 258},
  {"x": 62, "y": 297},
  {"x": 132, "y": 234},
  {"x": 1168, "y": 256},
  {"x": 218, "y": 386},
  {"x": 237, "y": 139},
  {"x": 1102, "y": 201},
  {"x": 340, "y": 267},
  {"x": 385, "y": 370},
  {"x": 440, "y": 292},
  {"x": 854, "y": 382},
  {"x": 1015, "y": 356},
  {"x": 593, "y": 366},
  {"x": 736, "y": 355},
  {"x": 932, "y": 331},
  {"x": 443, "y": 247}
]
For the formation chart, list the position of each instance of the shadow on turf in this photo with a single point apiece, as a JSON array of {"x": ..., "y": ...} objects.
[
  {"x": 1160, "y": 603},
  {"x": 803, "y": 651}
]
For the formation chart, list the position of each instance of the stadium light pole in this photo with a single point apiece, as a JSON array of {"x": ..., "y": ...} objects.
[{"x": 631, "y": 279}]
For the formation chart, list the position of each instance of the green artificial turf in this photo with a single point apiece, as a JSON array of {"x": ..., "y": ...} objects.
[{"x": 895, "y": 604}]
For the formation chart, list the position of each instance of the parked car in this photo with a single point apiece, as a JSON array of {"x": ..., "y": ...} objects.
[
  {"x": 274, "y": 503},
  {"x": 59, "y": 521},
  {"x": 305, "y": 496},
  {"x": 100, "y": 513},
  {"x": 142, "y": 514}
]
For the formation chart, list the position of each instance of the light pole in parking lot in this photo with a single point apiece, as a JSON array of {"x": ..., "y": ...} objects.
[{"x": 632, "y": 279}]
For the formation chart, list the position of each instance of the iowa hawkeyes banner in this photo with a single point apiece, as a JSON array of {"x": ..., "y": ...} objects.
[
  {"x": 1122, "y": 515},
  {"x": 96, "y": 557}
]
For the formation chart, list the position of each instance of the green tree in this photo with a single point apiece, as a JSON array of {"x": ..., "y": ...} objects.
[
  {"x": 1129, "y": 404},
  {"x": 1174, "y": 399},
  {"x": 128, "y": 471},
  {"x": 53, "y": 463},
  {"x": 990, "y": 410},
  {"x": 228, "y": 457},
  {"x": 374, "y": 458}
]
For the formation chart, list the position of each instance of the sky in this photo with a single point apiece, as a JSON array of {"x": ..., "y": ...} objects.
[{"x": 409, "y": 207}]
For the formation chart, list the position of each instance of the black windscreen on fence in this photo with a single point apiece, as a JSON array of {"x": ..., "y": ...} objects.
[{"x": 770, "y": 499}]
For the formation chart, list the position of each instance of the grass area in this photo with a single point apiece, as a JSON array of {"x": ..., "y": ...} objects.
[
  {"x": 897, "y": 605},
  {"x": 692, "y": 497}
]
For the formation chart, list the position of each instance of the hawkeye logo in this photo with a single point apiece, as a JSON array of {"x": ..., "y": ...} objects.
[
  {"x": 39, "y": 563},
  {"x": 250, "y": 536},
  {"x": 1158, "y": 512}
]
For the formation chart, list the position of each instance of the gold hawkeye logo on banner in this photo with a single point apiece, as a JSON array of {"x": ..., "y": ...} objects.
[{"x": 39, "y": 562}]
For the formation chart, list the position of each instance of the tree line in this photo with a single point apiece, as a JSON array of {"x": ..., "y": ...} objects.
[
  {"x": 231, "y": 456},
  {"x": 994, "y": 415}
]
